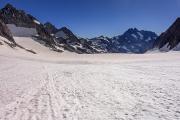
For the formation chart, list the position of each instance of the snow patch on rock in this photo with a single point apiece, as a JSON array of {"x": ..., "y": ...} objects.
[
  {"x": 37, "y": 22},
  {"x": 165, "y": 48},
  {"x": 141, "y": 36},
  {"x": 148, "y": 39},
  {"x": 133, "y": 35}
]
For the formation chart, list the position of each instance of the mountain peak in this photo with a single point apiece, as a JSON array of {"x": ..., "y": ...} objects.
[
  {"x": 102, "y": 37},
  {"x": 64, "y": 29},
  {"x": 50, "y": 27},
  {"x": 9, "y": 6},
  {"x": 48, "y": 23},
  {"x": 11, "y": 15},
  {"x": 132, "y": 30}
]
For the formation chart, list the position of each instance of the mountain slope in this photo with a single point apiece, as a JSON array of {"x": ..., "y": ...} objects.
[{"x": 170, "y": 39}]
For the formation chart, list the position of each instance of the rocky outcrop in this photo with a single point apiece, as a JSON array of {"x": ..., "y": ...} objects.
[
  {"x": 50, "y": 28},
  {"x": 169, "y": 39},
  {"x": 66, "y": 34},
  {"x": 5, "y": 32}
]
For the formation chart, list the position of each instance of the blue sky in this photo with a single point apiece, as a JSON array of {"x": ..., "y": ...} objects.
[{"x": 90, "y": 18}]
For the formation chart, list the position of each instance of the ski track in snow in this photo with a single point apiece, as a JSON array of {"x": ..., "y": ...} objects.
[{"x": 32, "y": 90}]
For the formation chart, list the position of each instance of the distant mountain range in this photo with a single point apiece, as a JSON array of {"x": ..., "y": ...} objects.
[
  {"x": 132, "y": 41},
  {"x": 14, "y": 22}
]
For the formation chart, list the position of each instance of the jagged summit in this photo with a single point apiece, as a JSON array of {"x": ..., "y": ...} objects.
[
  {"x": 9, "y": 6},
  {"x": 66, "y": 30},
  {"x": 132, "y": 30},
  {"x": 66, "y": 34},
  {"x": 10, "y": 15}
]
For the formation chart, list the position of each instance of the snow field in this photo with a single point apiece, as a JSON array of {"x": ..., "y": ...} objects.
[{"x": 125, "y": 90}]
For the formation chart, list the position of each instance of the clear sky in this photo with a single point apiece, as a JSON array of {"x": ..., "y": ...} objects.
[{"x": 90, "y": 18}]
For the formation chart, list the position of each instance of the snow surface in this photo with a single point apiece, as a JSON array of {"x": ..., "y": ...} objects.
[
  {"x": 6, "y": 49},
  {"x": 21, "y": 31},
  {"x": 29, "y": 43},
  {"x": 68, "y": 86}
]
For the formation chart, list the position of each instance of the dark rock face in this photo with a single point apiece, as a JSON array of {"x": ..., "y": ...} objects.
[
  {"x": 171, "y": 37},
  {"x": 132, "y": 41},
  {"x": 45, "y": 35},
  {"x": 10, "y": 15},
  {"x": 50, "y": 28},
  {"x": 5, "y": 32}
]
